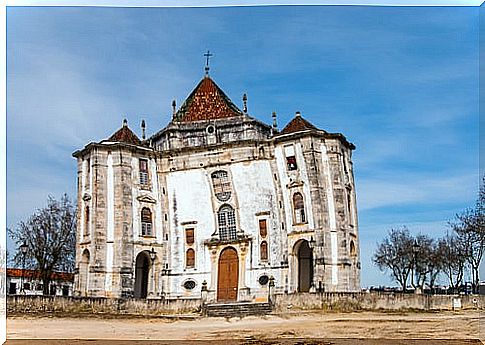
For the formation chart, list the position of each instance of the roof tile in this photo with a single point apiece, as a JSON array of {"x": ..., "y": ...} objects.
[
  {"x": 298, "y": 124},
  {"x": 207, "y": 102},
  {"x": 125, "y": 135}
]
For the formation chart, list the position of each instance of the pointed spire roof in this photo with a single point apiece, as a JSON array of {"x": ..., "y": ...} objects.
[
  {"x": 298, "y": 124},
  {"x": 206, "y": 102},
  {"x": 125, "y": 135}
]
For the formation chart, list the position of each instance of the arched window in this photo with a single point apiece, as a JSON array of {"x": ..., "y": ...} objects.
[
  {"x": 263, "y": 248},
  {"x": 190, "y": 258},
  {"x": 299, "y": 208},
  {"x": 146, "y": 222},
  {"x": 222, "y": 185},
  {"x": 86, "y": 220},
  {"x": 227, "y": 223}
]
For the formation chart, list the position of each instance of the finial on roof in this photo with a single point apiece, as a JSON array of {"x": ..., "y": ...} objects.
[
  {"x": 143, "y": 129},
  {"x": 174, "y": 108},
  {"x": 207, "y": 55},
  {"x": 245, "y": 103},
  {"x": 298, "y": 113},
  {"x": 125, "y": 122},
  {"x": 275, "y": 125}
]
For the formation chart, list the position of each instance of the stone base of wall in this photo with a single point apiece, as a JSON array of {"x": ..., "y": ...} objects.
[
  {"x": 342, "y": 301},
  {"x": 79, "y": 305},
  {"x": 282, "y": 303}
]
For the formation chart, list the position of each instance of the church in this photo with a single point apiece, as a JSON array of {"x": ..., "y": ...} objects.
[{"x": 216, "y": 201}]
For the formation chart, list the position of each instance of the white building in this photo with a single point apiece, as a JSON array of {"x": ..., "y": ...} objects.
[
  {"x": 28, "y": 282},
  {"x": 220, "y": 199}
]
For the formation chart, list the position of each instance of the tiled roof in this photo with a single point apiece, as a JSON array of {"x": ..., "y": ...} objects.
[
  {"x": 125, "y": 135},
  {"x": 17, "y": 272},
  {"x": 207, "y": 102},
  {"x": 298, "y": 124}
]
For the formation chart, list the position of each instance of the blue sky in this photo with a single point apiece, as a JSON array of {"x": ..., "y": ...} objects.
[{"x": 400, "y": 82}]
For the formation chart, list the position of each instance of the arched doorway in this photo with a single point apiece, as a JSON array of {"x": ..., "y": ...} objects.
[
  {"x": 305, "y": 266},
  {"x": 141, "y": 275},
  {"x": 228, "y": 275},
  {"x": 84, "y": 273}
]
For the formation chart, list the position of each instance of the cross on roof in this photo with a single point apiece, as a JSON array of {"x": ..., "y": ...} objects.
[{"x": 207, "y": 55}]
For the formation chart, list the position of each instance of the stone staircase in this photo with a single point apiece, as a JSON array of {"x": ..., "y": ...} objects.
[{"x": 239, "y": 309}]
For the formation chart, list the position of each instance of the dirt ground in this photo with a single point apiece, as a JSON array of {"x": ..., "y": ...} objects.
[{"x": 362, "y": 325}]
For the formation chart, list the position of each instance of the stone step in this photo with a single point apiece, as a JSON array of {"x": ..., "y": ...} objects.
[{"x": 236, "y": 309}]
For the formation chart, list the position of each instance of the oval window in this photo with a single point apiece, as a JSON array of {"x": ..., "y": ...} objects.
[
  {"x": 263, "y": 280},
  {"x": 189, "y": 284}
]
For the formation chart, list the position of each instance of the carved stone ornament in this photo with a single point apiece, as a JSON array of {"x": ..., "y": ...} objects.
[
  {"x": 294, "y": 184},
  {"x": 86, "y": 197},
  {"x": 146, "y": 198}
]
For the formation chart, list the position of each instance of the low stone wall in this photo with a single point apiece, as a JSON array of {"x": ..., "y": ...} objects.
[
  {"x": 282, "y": 303},
  {"x": 376, "y": 301},
  {"x": 75, "y": 305}
]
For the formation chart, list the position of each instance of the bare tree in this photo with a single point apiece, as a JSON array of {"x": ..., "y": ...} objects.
[
  {"x": 395, "y": 254},
  {"x": 435, "y": 263},
  {"x": 453, "y": 259},
  {"x": 50, "y": 234},
  {"x": 469, "y": 227},
  {"x": 422, "y": 252}
]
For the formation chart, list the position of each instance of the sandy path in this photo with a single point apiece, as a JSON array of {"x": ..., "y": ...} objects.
[{"x": 448, "y": 325}]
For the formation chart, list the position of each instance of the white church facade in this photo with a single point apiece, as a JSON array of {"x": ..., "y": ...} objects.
[{"x": 216, "y": 200}]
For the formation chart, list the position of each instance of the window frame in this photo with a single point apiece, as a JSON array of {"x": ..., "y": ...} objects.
[
  {"x": 226, "y": 223},
  {"x": 299, "y": 212},
  {"x": 265, "y": 222},
  {"x": 265, "y": 257},
  {"x": 146, "y": 227},
  {"x": 192, "y": 236},
  {"x": 143, "y": 172},
  {"x": 191, "y": 263}
]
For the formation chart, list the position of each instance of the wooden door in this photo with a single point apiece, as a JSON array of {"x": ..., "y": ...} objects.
[{"x": 227, "y": 275}]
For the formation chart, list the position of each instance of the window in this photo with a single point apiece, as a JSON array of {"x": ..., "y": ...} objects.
[
  {"x": 349, "y": 204},
  {"x": 189, "y": 236},
  {"x": 291, "y": 163},
  {"x": 146, "y": 222},
  {"x": 190, "y": 258},
  {"x": 86, "y": 220},
  {"x": 264, "y": 251},
  {"x": 299, "y": 208},
  {"x": 227, "y": 223},
  {"x": 189, "y": 284},
  {"x": 26, "y": 286},
  {"x": 353, "y": 251},
  {"x": 88, "y": 172},
  {"x": 144, "y": 172},
  {"x": 263, "y": 230},
  {"x": 290, "y": 158},
  {"x": 263, "y": 280},
  {"x": 222, "y": 185},
  {"x": 40, "y": 287}
]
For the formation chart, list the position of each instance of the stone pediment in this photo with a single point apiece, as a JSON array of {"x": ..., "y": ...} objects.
[
  {"x": 146, "y": 198},
  {"x": 86, "y": 197}
]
